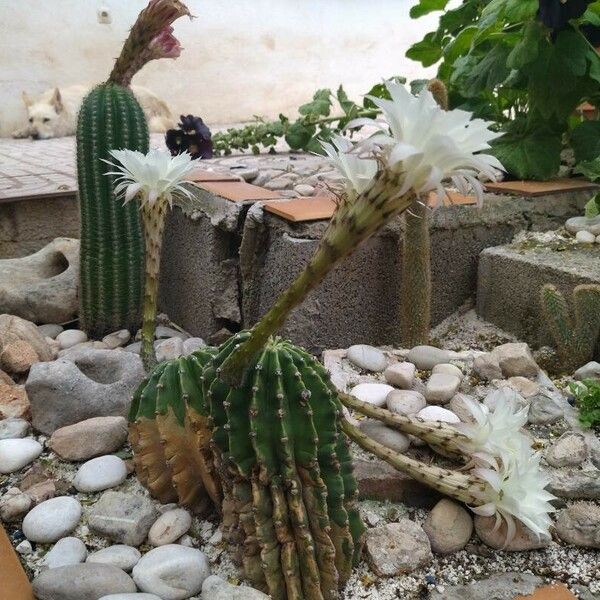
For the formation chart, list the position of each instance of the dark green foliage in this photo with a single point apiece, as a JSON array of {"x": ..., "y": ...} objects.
[
  {"x": 587, "y": 397},
  {"x": 112, "y": 245},
  {"x": 288, "y": 464},
  {"x": 575, "y": 332},
  {"x": 504, "y": 64}
]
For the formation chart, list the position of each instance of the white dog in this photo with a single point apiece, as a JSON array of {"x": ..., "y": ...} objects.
[{"x": 54, "y": 113}]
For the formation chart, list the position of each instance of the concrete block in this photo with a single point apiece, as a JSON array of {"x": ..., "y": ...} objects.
[
  {"x": 359, "y": 301},
  {"x": 511, "y": 278}
]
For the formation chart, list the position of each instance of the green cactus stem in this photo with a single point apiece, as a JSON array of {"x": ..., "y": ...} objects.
[
  {"x": 112, "y": 246},
  {"x": 289, "y": 488},
  {"x": 575, "y": 333},
  {"x": 353, "y": 223},
  {"x": 170, "y": 436}
]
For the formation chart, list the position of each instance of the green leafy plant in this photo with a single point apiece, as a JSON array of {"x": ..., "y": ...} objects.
[
  {"x": 501, "y": 62},
  {"x": 587, "y": 398}
]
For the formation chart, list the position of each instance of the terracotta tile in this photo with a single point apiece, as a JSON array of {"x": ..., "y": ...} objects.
[
  {"x": 238, "y": 191},
  {"x": 199, "y": 175},
  {"x": 303, "y": 209},
  {"x": 451, "y": 198},
  {"x": 14, "y": 584},
  {"x": 539, "y": 188},
  {"x": 557, "y": 591}
]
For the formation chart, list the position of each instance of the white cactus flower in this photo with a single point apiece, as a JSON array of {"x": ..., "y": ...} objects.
[
  {"x": 516, "y": 490},
  {"x": 426, "y": 145},
  {"x": 357, "y": 171},
  {"x": 153, "y": 176}
]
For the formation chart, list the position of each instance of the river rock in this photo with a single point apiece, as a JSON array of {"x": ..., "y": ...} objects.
[
  {"x": 569, "y": 450},
  {"x": 400, "y": 375},
  {"x": 487, "y": 367},
  {"x": 42, "y": 287},
  {"x": 426, "y": 357},
  {"x": 448, "y": 369},
  {"x": 174, "y": 572},
  {"x": 169, "y": 349},
  {"x": 120, "y": 555},
  {"x": 441, "y": 387},
  {"x": 215, "y": 588},
  {"x": 52, "y": 520},
  {"x": 117, "y": 338},
  {"x": 579, "y": 524},
  {"x": 14, "y": 331},
  {"x": 86, "y": 581},
  {"x": 575, "y": 484},
  {"x": 397, "y": 548},
  {"x": 14, "y": 504},
  {"x": 13, "y": 428},
  {"x": 501, "y": 586},
  {"x": 16, "y": 453},
  {"x": 13, "y": 401},
  {"x": 590, "y": 370},
  {"x": 169, "y": 527},
  {"x": 60, "y": 392},
  {"x": 585, "y": 237},
  {"x": 544, "y": 409},
  {"x": 437, "y": 413},
  {"x": 123, "y": 518},
  {"x": 576, "y": 224},
  {"x": 515, "y": 358},
  {"x": 68, "y": 551},
  {"x": 89, "y": 438},
  {"x": 448, "y": 526},
  {"x": 71, "y": 337},
  {"x": 134, "y": 596},
  {"x": 17, "y": 357},
  {"x": 367, "y": 357},
  {"x": 373, "y": 393},
  {"x": 391, "y": 438},
  {"x": 50, "y": 330},
  {"x": 458, "y": 405},
  {"x": 100, "y": 474},
  {"x": 192, "y": 344},
  {"x": 405, "y": 402},
  {"x": 495, "y": 537}
]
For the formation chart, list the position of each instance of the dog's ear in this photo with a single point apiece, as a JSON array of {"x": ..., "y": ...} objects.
[
  {"x": 26, "y": 99},
  {"x": 56, "y": 100}
]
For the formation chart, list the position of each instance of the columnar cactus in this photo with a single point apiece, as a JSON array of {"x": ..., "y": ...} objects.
[
  {"x": 290, "y": 490},
  {"x": 575, "y": 334},
  {"x": 170, "y": 436},
  {"x": 112, "y": 244}
]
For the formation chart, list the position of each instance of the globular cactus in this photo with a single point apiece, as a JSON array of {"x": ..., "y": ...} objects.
[
  {"x": 112, "y": 244},
  {"x": 576, "y": 334},
  {"x": 170, "y": 436},
  {"x": 289, "y": 488}
]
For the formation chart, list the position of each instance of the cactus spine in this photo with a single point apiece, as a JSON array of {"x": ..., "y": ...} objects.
[
  {"x": 575, "y": 335},
  {"x": 415, "y": 293},
  {"x": 112, "y": 246},
  {"x": 290, "y": 491},
  {"x": 170, "y": 435}
]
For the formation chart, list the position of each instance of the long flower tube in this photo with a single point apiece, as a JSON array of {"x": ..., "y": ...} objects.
[{"x": 385, "y": 174}]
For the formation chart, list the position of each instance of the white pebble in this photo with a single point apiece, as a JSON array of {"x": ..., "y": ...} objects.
[
  {"x": 585, "y": 237},
  {"x": 405, "y": 402},
  {"x": 367, "y": 357},
  {"x": 441, "y": 387},
  {"x": 448, "y": 369},
  {"x": 52, "y": 520},
  {"x": 24, "y": 548},
  {"x": 121, "y": 556},
  {"x": 401, "y": 375},
  {"x": 16, "y": 453},
  {"x": 373, "y": 393},
  {"x": 437, "y": 413},
  {"x": 71, "y": 337},
  {"x": 13, "y": 428},
  {"x": 68, "y": 551},
  {"x": 100, "y": 474},
  {"x": 169, "y": 527}
]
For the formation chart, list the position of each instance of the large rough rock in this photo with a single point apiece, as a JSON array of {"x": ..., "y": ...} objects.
[
  {"x": 579, "y": 524},
  {"x": 21, "y": 339},
  {"x": 85, "y": 383},
  {"x": 42, "y": 287},
  {"x": 502, "y": 586}
]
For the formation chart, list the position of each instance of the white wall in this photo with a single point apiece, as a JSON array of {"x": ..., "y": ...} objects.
[{"x": 241, "y": 57}]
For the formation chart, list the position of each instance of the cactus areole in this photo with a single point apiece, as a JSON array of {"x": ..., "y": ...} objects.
[{"x": 112, "y": 243}]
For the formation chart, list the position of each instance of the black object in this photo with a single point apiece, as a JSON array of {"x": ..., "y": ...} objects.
[
  {"x": 557, "y": 13},
  {"x": 192, "y": 136}
]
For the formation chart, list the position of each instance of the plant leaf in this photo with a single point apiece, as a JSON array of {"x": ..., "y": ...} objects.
[
  {"x": 428, "y": 51},
  {"x": 424, "y": 7},
  {"x": 320, "y": 105},
  {"x": 585, "y": 141}
]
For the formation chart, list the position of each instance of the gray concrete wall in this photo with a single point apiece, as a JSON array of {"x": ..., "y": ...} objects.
[
  {"x": 360, "y": 302},
  {"x": 26, "y": 226},
  {"x": 510, "y": 282}
]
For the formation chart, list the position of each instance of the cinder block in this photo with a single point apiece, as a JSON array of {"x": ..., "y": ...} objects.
[
  {"x": 359, "y": 302},
  {"x": 511, "y": 278}
]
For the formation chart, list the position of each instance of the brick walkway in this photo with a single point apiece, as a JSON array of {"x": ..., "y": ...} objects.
[{"x": 41, "y": 168}]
